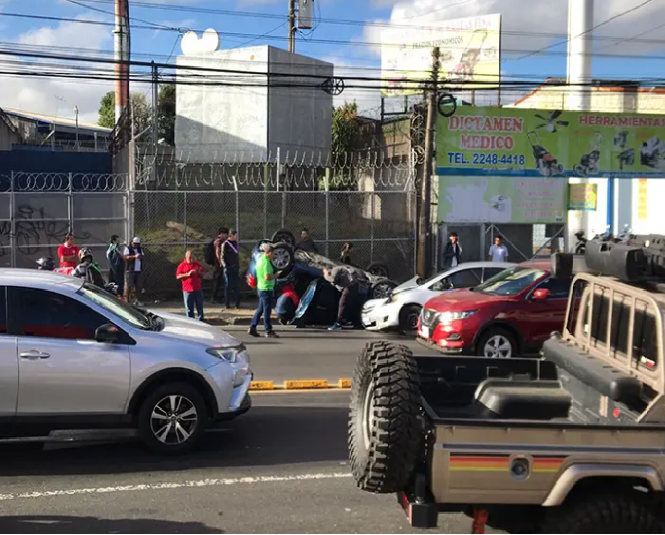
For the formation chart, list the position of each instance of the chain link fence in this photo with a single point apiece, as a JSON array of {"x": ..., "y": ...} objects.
[
  {"x": 178, "y": 205},
  {"x": 38, "y": 209}
]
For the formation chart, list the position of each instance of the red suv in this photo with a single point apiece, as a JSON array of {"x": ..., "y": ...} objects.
[{"x": 511, "y": 314}]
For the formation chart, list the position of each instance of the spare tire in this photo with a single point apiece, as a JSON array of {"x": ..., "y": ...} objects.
[
  {"x": 284, "y": 235},
  {"x": 381, "y": 289},
  {"x": 385, "y": 431}
]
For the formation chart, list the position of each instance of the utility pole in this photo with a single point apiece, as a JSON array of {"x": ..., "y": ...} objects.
[
  {"x": 76, "y": 114},
  {"x": 292, "y": 26},
  {"x": 155, "y": 117},
  {"x": 425, "y": 213},
  {"x": 121, "y": 57}
]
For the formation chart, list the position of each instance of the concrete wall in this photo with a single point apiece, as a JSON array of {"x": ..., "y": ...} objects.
[
  {"x": 300, "y": 118},
  {"x": 221, "y": 119},
  {"x": 250, "y": 123}
]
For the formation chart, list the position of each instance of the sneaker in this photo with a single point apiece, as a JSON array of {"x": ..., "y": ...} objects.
[
  {"x": 271, "y": 334},
  {"x": 335, "y": 327},
  {"x": 253, "y": 332}
]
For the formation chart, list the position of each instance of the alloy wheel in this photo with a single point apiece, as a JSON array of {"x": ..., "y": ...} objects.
[
  {"x": 173, "y": 420},
  {"x": 498, "y": 346}
]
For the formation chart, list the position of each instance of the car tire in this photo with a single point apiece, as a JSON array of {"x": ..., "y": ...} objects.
[
  {"x": 284, "y": 235},
  {"x": 283, "y": 256},
  {"x": 406, "y": 317},
  {"x": 159, "y": 402},
  {"x": 379, "y": 269},
  {"x": 381, "y": 289},
  {"x": 385, "y": 431},
  {"x": 499, "y": 338},
  {"x": 623, "y": 510}
]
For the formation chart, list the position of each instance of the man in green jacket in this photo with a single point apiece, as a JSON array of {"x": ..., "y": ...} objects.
[{"x": 265, "y": 285}]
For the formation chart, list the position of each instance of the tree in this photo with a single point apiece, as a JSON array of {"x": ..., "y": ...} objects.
[
  {"x": 345, "y": 134},
  {"x": 166, "y": 113},
  {"x": 141, "y": 109}
]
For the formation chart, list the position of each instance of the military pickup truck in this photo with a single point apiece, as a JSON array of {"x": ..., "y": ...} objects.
[{"x": 573, "y": 442}]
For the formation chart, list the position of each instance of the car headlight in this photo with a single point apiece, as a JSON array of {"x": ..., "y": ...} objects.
[
  {"x": 229, "y": 353},
  {"x": 447, "y": 317}
]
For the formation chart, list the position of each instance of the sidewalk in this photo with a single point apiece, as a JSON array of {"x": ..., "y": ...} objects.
[{"x": 215, "y": 313}]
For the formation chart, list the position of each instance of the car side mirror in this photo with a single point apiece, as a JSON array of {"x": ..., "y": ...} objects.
[
  {"x": 107, "y": 334},
  {"x": 541, "y": 294}
]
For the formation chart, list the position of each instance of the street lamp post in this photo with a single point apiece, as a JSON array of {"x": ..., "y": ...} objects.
[{"x": 76, "y": 114}]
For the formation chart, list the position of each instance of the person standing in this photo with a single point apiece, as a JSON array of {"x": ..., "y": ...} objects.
[
  {"x": 265, "y": 286},
  {"x": 116, "y": 263},
  {"x": 219, "y": 282},
  {"x": 306, "y": 242},
  {"x": 231, "y": 264},
  {"x": 68, "y": 253},
  {"x": 347, "y": 284},
  {"x": 452, "y": 256},
  {"x": 134, "y": 269},
  {"x": 189, "y": 273},
  {"x": 498, "y": 251},
  {"x": 345, "y": 255}
]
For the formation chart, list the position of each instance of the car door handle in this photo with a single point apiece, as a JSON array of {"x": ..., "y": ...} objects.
[{"x": 34, "y": 354}]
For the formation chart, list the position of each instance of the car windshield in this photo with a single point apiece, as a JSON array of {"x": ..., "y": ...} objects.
[
  {"x": 116, "y": 306},
  {"x": 510, "y": 282}
]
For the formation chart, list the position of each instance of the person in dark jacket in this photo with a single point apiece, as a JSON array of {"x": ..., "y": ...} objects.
[
  {"x": 347, "y": 283},
  {"x": 452, "y": 255},
  {"x": 306, "y": 242},
  {"x": 230, "y": 258},
  {"x": 134, "y": 269},
  {"x": 219, "y": 281}
]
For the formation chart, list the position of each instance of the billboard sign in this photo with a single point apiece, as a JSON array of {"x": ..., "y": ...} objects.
[
  {"x": 583, "y": 197},
  {"x": 481, "y": 199},
  {"x": 469, "y": 51},
  {"x": 544, "y": 143}
]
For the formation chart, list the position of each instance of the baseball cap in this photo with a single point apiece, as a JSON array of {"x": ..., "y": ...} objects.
[{"x": 136, "y": 239}]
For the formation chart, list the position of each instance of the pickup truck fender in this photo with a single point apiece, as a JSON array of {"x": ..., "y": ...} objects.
[{"x": 577, "y": 472}]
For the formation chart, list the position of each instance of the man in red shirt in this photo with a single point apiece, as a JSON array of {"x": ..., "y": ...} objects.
[
  {"x": 189, "y": 273},
  {"x": 68, "y": 253}
]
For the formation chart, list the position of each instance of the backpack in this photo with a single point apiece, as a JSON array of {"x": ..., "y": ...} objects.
[
  {"x": 114, "y": 258},
  {"x": 209, "y": 254}
]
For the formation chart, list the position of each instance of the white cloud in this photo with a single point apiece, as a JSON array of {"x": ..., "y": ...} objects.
[{"x": 39, "y": 94}]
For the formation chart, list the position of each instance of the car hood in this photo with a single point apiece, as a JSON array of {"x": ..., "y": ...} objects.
[
  {"x": 460, "y": 300},
  {"x": 408, "y": 285},
  {"x": 188, "y": 330}
]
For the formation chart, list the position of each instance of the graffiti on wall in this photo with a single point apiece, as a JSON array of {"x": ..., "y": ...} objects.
[{"x": 36, "y": 232}]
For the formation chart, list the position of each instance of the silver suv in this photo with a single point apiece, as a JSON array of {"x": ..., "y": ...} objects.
[{"x": 74, "y": 357}]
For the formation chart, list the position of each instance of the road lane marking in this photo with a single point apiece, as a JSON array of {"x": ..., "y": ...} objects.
[{"x": 201, "y": 483}]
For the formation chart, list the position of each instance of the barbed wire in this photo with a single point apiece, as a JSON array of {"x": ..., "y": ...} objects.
[
  {"x": 206, "y": 166},
  {"x": 24, "y": 182}
]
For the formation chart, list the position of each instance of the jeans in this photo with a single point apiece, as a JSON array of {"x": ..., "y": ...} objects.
[
  {"x": 218, "y": 283},
  {"x": 264, "y": 309},
  {"x": 194, "y": 299},
  {"x": 232, "y": 286}
]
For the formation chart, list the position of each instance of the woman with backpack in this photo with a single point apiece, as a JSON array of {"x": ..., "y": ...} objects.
[{"x": 116, "y": 262}]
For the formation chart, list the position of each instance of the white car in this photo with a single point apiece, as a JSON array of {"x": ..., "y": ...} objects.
[{"x": 402, "y": 308}]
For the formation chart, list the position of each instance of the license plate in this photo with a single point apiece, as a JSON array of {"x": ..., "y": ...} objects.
[{"x": 424, "y": 332}]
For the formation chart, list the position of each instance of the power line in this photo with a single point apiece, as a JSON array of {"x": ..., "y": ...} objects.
[
  {"x": 339, "y": 41},
  {"x": 599, "y": 25}
]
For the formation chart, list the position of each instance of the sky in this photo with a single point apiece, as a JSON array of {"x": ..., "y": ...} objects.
[{"x": 627, "y": 40}]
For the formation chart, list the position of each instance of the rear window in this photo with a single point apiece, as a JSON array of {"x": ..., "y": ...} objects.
[{"x": 511, "y": 281}]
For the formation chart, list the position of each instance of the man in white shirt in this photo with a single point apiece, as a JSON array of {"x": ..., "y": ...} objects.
[
  {"x": 498, "y": 251},
  {"x": 134, "y": 270}
]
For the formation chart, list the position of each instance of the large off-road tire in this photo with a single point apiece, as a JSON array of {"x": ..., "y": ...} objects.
[
  {"x": 617, "y": 511},
  {"x": 385, "y": 430},
  {"x": 187, "y": 426}
]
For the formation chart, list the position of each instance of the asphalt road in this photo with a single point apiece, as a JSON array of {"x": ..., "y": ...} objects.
[
  {"x": 312, "y": 353},
  {"x": 280, "y": 469}
]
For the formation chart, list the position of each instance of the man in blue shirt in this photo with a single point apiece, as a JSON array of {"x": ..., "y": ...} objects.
[{"x": 498, "y": 251}]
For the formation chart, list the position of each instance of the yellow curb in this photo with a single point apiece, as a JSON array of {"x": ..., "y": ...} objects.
[
  {"x": 262, "y": 385},
  {"x": 305, "y": 384},
  {"x": 344, "y": 383}
]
